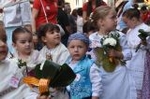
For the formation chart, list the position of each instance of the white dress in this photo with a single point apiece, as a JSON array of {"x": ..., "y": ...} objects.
[
  {"x": 119, "y": 83},
  {"x": 136, "y": 64},
  {"x": 31, "y": 61},
  {"x": 10, "y": 87},
  {"x": 59, "y": 54}
]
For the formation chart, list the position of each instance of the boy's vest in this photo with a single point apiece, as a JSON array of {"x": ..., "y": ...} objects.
[{"x": 81, "y": 86}]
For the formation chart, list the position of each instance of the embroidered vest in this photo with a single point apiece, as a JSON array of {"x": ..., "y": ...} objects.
[{"x": 81, "y": 86}]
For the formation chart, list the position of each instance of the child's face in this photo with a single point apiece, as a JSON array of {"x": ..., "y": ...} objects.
[
  {"x": 24, "y": 43},
  {"x": 3, "y": 47},
  {"x": 129, "y": 22},
  {"x": 52, "y": 38},
  {"x": 77, "y": 49},
  {"x": 110, "y": 21}
]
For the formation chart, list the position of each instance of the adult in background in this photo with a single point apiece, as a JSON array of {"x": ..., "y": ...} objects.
[
  {"x": 44, "y": 11},
  {"x": 72, "y": 20},
  {"x": 63, "y": 20},
  {"x": 121, "y": 25},
  {"x": 89, "y": 7},
  {"x": 15, "y": 13},
  {"x": 80, "y": 20}
]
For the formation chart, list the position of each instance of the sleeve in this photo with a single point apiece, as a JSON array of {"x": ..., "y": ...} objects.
[
  {"x": 29, "y": 94},
  {"x": 26, "y": 13},
  {"x": 84, "y": 8},
  {"x": 95, "y": 80},
  {"x": 125, "y": 48},
  {"x": 36, "y": 4}
]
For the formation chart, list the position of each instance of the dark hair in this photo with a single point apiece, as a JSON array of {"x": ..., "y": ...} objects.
[
  {"x": 88, "y": 26},
  {"x": 19, "y": 30},
  {"x": 79, "y": 11},
  {"x": 46, "y": 27},
  {"x": 3, "y": 36},
  {"x": 61, "y": 2},
  {"x": 74, "y": 12},
  {"x": 132, "y": 13},
  {"x": 89, "y": 6},
  {"x": 121, "y": 6},
  {"x": 143, "y": 8}
]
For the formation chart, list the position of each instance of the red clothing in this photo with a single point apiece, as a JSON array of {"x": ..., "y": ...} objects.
[
  {"x": 51, "y": 10},
  {"x": 84, "y": 8},
  {"x": 145, "y": 17}
]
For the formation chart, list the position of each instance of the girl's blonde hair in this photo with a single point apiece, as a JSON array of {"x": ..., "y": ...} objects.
[{"x": 101, "y": 12}]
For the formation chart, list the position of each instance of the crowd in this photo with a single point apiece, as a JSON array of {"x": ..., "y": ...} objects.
[{"x": 108, "y": 49}]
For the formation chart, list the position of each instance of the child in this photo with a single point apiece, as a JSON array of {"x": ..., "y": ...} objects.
[
  {"x": 53, "y": 50},
  {"x": 89, "y": 28},
  {"x": 10, "y": 77},
  {"x": 22, "y": 42},
  {"x": 87, "y": 84},
  {"x": 137, "y": 64},
  {"x": 117, "y": 84}
]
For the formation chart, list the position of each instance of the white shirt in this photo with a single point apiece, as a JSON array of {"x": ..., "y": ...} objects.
[
  {"x": 10, "y": 90},
  {"x": 16, "y": 13},
  {"x": 79, "y": 24}
]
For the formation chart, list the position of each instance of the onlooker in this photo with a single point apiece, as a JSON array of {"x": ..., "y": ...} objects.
[
  {"x": 145, "y": 14},
  {"x": 89, "y": 7},
  {"x": 79, "y": 20},
  {"x": 15, "y": 13},
  {"x": 121, "y": 26},
  {"x": 72, "y": 20},
  {"x": 63, "y": 21},
  {"x": 44, "y": 11},
  {"x": 74, "y": 14}
]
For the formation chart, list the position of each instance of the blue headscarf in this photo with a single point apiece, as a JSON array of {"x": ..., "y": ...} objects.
[{"x": 79, "y": 36}]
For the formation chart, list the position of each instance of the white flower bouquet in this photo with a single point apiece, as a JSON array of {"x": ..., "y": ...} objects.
[{"x": 108, "y": 42}]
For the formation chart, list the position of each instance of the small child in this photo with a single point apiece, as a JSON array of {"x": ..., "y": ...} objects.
[
  {"x": 53, "y": 50},
  {"x": 89, "y": 28},
  {"x": 137, "y": 65},
  {"x": 87, "y": 84},
  {"x": 22, "y": 42},
  {"x": 118, "y": 83},
  {"x": 10, "y": 77}
]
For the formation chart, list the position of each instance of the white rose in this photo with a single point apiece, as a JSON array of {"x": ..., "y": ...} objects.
[{"x": 110, "y": 41}]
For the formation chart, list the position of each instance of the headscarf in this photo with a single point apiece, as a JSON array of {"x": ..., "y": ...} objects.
[{"x": 79, "y": 36}]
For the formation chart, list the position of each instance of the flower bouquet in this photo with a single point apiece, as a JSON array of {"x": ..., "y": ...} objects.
[
  {"x": 49, "y": 74},
  {"x": 142, "y": 35},
  {"x": 108, "y": 42}
]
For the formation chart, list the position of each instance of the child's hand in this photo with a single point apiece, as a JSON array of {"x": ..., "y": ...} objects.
[
  {"x": 43, "y": 97},
  {"x": 143, "y": 42}
]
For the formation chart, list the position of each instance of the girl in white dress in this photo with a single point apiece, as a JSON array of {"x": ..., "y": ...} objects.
[
  {"x": 10, "y": 76},
  {"x": 137, "y": 64},
  {"x": 22, "y": 42},
  {"x": 53, "y": 50},
  {"x": 117, "y": 83}
]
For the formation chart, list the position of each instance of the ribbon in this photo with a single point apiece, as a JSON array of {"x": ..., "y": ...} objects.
[{"x": 42, "y": 84}]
